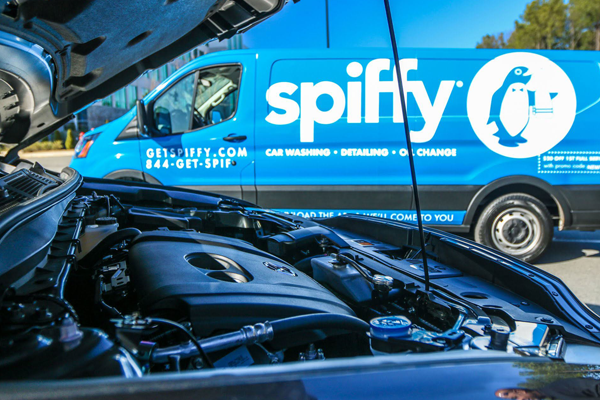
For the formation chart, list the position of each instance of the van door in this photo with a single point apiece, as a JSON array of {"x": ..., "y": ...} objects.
[
  {"x": 202, "y": 129},
  {"x": 320, "y": 150}
]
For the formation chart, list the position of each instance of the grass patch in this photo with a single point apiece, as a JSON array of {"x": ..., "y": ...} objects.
[{"x": 45, "y": 146}]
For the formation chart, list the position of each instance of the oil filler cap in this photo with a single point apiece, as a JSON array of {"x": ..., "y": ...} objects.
[
  {"x": 390, "y": 326},
  {"x": 499, "y": 338}
]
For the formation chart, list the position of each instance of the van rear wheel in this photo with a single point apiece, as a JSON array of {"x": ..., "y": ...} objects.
[{"x": 517, "y": 224}]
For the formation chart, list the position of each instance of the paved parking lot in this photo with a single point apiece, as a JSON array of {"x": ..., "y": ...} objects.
[{"x": 574, "y": 256}]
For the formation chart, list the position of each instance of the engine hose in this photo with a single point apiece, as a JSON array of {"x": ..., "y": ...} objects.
[
  {"x": 194, "y": 341},
  {"x": 356, "y": 266},
  {"x": 319, "y": 321},
  {"x": 100, "y": 250},
  {"x": 260, "y": 333}
]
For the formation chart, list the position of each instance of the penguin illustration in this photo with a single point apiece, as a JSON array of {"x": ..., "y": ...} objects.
[{"x": 510, "y": 107}]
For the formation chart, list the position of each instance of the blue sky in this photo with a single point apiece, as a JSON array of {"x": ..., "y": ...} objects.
[{"x": 362, "y": 23}]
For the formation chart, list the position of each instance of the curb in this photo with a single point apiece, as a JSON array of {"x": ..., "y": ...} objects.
[{"x": 46, "y": 154}]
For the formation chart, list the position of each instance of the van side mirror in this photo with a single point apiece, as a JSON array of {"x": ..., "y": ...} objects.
[{"x": 143, "y": 122}]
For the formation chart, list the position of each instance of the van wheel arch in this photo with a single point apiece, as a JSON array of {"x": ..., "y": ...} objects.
[
  {"x": 553, "y": 199},
  {"x": 133, "y": 175}
]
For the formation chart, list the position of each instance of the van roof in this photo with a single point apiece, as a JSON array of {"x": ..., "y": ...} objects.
[{"x": 377, "y": 52}]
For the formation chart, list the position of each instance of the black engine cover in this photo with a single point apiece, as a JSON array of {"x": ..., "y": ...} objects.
[{"x": 220, "y": 283}]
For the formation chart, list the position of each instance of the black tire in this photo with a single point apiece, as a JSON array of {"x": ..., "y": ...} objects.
[{"x": 517, "y": 224}]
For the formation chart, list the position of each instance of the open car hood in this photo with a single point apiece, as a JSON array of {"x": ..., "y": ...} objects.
[{"x": 59, "y": 56}]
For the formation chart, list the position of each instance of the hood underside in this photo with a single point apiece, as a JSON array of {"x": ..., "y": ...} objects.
[{"x": 61, "y": 55}]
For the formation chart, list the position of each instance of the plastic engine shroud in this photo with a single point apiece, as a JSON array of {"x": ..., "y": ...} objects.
[{"x": 220, "y": 283}]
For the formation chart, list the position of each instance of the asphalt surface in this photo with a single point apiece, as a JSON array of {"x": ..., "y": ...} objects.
[{"x": 573, "y": 256}]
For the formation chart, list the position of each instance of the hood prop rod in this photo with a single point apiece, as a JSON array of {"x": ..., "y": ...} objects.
[{"x": 408, "y": 142}]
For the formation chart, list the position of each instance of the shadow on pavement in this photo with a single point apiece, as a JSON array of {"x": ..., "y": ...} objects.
[{"x": 565, "y": 251}]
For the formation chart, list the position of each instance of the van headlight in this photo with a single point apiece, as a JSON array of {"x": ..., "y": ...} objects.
[{"x": 83, "y": 147}]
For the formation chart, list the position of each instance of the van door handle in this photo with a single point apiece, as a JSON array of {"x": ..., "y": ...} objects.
[{"x": 234, "y": 138}]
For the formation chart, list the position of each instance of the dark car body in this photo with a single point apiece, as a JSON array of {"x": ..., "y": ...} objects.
[{"x": 489, "y": 376}]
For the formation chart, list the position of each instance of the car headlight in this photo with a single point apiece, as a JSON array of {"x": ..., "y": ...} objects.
[{"x": 83, "y": 147}]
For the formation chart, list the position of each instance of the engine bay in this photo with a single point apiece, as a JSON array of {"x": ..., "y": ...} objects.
[
  {"x": 138, "y": 280},
  {"x": 222, "y": 283}
]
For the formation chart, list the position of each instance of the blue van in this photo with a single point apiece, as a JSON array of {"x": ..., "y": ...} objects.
[{"x": 506, "y": 143}]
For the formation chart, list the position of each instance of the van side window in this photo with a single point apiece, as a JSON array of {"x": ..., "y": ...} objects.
[
  {"x": 216, "y": 95},
  {"x": 201, "y": 99},
  {"x": 173, "y": 109}
]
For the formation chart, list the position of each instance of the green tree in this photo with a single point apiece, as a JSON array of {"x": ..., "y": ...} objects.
[
  {"x": 553, "y": 24},
  {"x": 541, "y": 374},
  {"x": 492, "y": 42},
  {"x": 56, "y": 136},
  {"x": 70, "y": 142},
  {"x": 543, "y": 26},
  {"x": 584, "y": 18}
]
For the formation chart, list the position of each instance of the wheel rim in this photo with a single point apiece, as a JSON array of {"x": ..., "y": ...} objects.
[{"x": 516, "y": 231}]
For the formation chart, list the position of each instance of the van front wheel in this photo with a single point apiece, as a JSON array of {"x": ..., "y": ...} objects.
[{"x": 517, "y": 224}]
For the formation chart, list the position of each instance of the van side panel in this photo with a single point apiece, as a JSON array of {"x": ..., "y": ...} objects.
[
  {"x": 330, "y": 137},
  {"x": 330, "y": 164}
]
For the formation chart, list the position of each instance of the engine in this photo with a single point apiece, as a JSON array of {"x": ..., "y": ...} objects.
[{"x": 220, "y": 284}]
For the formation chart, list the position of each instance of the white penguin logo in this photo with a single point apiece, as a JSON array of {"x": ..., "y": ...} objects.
[
  {"x": 509, "y": 110},
  {"x": 521, "y": 104},
  {"x": 515, "y": 109}
]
